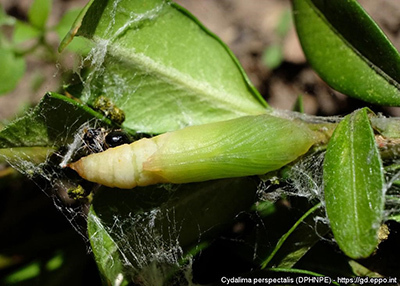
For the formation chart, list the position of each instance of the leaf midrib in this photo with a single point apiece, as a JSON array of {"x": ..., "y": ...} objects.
[
  {"x": 182, "y": 80},
  {"x": 353, "y": 178}
]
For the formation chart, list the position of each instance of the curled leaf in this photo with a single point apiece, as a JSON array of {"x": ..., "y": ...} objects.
[{"x": 348, "y": 50}]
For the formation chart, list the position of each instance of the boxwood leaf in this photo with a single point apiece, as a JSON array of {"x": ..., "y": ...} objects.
[
  {"x": 106, "y": 251},
  {"x": 348, "y": 50},
  {"x": 50, "y": 125},
  {"x": 79, "y": 45},
  {"x": 150, "y": 230},
  {"x": 354, "y": 185},
  {"x": 76, "y": 24},
  {"x": 297, "y": 241},
  {"x": 165, "y": 70}
]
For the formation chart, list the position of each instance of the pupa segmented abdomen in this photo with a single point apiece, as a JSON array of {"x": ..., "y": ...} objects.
[{"x": 245, "y": 146}]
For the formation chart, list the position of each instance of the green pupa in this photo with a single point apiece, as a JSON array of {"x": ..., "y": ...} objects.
[{"x": 245, "y": 146}]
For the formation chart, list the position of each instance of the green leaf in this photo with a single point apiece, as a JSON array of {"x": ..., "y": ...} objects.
[
  {"x": 348, "y": 50},
  {"x": 105, "y": 250},
  {"x": 165, "y": 70},
  {"x": 273, "y": 56},
  {"x": 387, "y": 127},
  {"x": 55, "y": 263},
  {"x": 5, "y": 19},
  {"x": 69, "y": 36},
  {"x": 149, "y": 230},
  {"x": 39, "y": 12},
  {"x": 395, "y": 217},
  {"x": 13, "y": 69},
  {"x": 35, "y": 155},
  {"x": 354, "y": 185},
  {"x": 24, "y": 32},
  {"x": 78, "y": 45},
  {"x": 299, "y": 104},
  {"x": 284, "y": 24},
  {"x": 360, "y": 270},
  {"x": 50, "y": 125},
  {"x": 30, "y": 271},
  {"x": 300, "y": 246}
]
